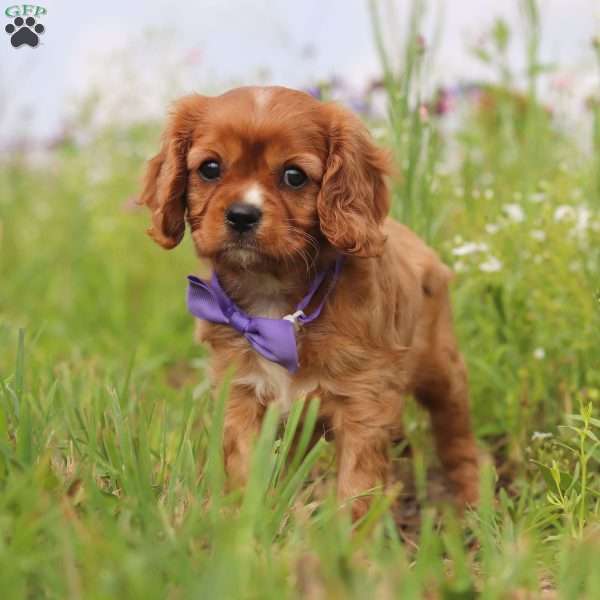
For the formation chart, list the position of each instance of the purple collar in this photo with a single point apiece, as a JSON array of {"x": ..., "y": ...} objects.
[{"x": 275, "y": 339}]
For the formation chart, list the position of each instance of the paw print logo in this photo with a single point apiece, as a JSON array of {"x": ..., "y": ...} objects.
[{"x": 24, "y": 32}]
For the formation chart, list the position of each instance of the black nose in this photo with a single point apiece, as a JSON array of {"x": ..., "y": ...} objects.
[{"x": 242, "y": 216}]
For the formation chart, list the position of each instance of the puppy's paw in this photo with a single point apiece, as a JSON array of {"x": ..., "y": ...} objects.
[{"x": 464, "y": 481}]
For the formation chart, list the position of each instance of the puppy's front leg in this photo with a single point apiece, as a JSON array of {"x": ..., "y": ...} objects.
[
  {"x": 363, "y": 449},
  {"x": 243, "y": 416}
]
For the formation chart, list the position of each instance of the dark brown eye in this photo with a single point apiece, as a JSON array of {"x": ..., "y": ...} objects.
[
  {"x": 210, "y": 170},
  {"x": 294, "y": 177}
]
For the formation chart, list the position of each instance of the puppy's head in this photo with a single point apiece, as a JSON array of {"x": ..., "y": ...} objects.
[{"x": 266, "y": 174}]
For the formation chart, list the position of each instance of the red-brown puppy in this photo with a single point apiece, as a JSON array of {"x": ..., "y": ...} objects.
[{"x": 306, "y": 182}]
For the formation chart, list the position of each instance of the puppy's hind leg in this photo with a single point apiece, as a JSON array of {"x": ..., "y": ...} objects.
[{"x": 442, "y": 388}]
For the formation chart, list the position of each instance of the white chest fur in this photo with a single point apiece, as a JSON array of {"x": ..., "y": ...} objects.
[{"x": 272, "y": 383}]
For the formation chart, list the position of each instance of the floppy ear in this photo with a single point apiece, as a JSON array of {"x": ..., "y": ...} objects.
[
  {"x": 164, "y": 185},
  {"x": 354, "y": 199}
]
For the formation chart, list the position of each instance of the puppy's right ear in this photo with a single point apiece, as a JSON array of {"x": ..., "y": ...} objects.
[{"x": 165, "y": 181}]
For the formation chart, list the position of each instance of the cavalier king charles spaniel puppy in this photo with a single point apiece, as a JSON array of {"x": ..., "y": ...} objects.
[{"x": 315, "y": 291}]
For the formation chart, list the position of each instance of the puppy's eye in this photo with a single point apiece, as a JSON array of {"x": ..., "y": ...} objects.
[
  {"x": 294, "y": 177},
  {"x": 210, "y": 170}
]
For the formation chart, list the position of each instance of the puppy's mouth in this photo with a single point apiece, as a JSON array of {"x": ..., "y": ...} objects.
[
  {"x": 242, "y": 241},
  {"x": 242, "y": 250}
]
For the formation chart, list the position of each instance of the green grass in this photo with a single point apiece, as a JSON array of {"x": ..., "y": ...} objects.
[{"x": 111, "y": 482}]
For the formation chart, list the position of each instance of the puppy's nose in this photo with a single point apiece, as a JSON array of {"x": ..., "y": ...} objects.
[{"x": 242, "y": 216}]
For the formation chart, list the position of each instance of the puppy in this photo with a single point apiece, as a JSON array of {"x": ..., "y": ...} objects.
[{"x": 285, "y": 195}]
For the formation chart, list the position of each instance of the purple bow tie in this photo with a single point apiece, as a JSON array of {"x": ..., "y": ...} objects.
[{"x": 275, "y": 339}]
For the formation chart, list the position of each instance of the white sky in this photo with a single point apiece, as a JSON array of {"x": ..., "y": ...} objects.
[{"x": 211, "y": 44}]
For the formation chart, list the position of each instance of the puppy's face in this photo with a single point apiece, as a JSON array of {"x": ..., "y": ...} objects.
[
  {"x": 255, "y": 165},
  {"x": 266, "y": 175}
]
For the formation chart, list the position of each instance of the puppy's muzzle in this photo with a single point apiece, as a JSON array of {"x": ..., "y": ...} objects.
[{"x": 242, "y": 217}]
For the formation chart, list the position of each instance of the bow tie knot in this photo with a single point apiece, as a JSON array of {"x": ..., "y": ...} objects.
[{"x": 239, "y": 321}]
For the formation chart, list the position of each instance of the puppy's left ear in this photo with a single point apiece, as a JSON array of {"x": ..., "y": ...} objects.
[
  {"x": 165, "y": 181},
  {"x": 354, "y": 198}
]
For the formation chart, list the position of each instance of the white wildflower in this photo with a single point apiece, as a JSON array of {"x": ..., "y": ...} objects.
[
  {"x": 492, "y": 228},
  {"x": 491, "y": 265},
  {"x": 539, "y": 354},
  {"x": 514, "y": 212},
  {"x": 469, "y": 248},
  {"x": 564, "y": 212},
  {"x": 538, "y": 235},
  {"x": 538, "y": 197},
  {"x": 582, "y": 220},
  {"x": 540, "y": 435}
]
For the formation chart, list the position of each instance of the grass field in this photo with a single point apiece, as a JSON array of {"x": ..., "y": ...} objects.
[{"x": 111, "y": 484}]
